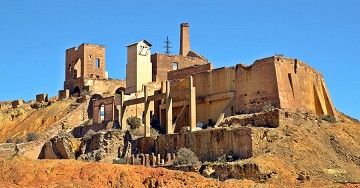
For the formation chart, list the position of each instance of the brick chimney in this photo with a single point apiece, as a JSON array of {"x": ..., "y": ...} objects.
[{"x": 184, "y": 39}]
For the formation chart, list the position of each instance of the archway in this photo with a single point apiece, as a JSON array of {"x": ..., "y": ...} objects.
[
  {"x": 76, "y": 90},
  {"x": 118, "y": 91}
]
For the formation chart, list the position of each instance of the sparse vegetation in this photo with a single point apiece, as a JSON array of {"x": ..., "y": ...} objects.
[
  {"x": 186, "y": 157},
  {"x": 225, "y": 158},
  {"x": 89, "y": 135},
  {"x": 268, "y": 107},
  {"x": 31, "y": 137},
  {"x": 9, "y": 140},
  {"x": 134, "y": 122},
  {"x": 19, "y": 141},
  {"x": 328, "y": 118}
]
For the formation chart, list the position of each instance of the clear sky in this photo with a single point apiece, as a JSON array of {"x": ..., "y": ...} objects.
[{"x": 323, "y": 33}]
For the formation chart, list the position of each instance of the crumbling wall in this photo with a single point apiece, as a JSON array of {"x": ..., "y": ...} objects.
[
  {"x": 109, "y": 106},
  {"x": 302, "y": 88},
  {"x": 208, "y": 145},
  {"x": 256, "y": 86},
  {"x": 214, "y": 89},
  {"x": 82, "y": 62},
  {"x": 163, "y": 63},
  {"x": 42, "y": 98},
  {"x": 186, "y": 72},
  {"x": 105, "y": 86}
]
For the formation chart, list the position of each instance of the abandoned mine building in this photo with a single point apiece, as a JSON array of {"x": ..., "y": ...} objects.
[{"x": 181, "y": 92}]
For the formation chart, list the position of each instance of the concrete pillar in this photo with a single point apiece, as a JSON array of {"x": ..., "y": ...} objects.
[
  {"x": 162, "y": 162},
  {"x": 147, "y": 160},
  {"x": 169, "y": 129},
  {"x": 147, "y": 112},
  {"x": 132, "y": 161},
  {"x": 142, "y": 156},
  {"x": 192, "y": 105},
  {"x": 153, "y": 160},
  {"x": 122, "y": 119},
  {"x": 173, "y": 156},
  {"x": 168, "y": 158},
  {"x": 158, "y": 158}
]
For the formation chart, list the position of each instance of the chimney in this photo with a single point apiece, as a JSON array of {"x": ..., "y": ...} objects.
[{"x": 184, "y": 39}]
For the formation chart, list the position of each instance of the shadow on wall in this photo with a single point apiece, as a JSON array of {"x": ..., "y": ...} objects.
[{"x": 90, "y": 107}]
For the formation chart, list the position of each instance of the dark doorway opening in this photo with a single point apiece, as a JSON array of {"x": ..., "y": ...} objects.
[{"x": 76, "y": 90}]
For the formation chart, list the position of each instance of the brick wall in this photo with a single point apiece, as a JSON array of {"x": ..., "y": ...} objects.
[
  {"x": 256, "y": 86},
  {"x": 163, "y": 63},
  {"x": 83, "y": 62}
]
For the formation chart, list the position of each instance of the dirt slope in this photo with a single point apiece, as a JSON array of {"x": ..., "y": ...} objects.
[
  {"x": 310, "y": 148},
  {"x": 16, "y": 123},
  {"x": 71, "y": 173}
]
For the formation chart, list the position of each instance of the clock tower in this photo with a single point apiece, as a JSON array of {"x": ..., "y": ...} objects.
[{"x": 138, "y": 67}]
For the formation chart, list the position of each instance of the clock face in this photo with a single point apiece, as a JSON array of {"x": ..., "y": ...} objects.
[{"x": 144, "y": 50}]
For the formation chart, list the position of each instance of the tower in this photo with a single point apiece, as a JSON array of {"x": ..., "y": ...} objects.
[
  {"x": 138, "y": 68},
  {"x": 184, "y": 39},
  {"x": 86, "y": 61}
]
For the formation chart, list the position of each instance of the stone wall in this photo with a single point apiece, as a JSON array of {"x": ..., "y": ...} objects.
[
  {"x": 83, "y": 62},
  {"x": 186, "y": 72},
  {"x": 17, "y": 103},
  {"x": 256, "y": 86},
  {"x": 271, "y": 119},
  {"x": 214, "y": 89},
  {"x": 105, "y": 86},
  {"x": 163, "y": 63},
  {"x": 64, "y": 94},
  {"x": 109, "y": 105},
  {"x": 302, "y": 88},
  {"x": 42, "y": 98},
  {"x": 208, "y": 145}
]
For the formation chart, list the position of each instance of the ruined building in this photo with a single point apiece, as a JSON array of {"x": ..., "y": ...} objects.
[
  {"x": 163, "y": 63},
  {"x": 85, "y": 70},
  {"x": 180, "y": 91}
]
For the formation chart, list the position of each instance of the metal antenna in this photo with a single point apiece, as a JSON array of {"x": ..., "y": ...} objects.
[{"x": 167, "y": 45}]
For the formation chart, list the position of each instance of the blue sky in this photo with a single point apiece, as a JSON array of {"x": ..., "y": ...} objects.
[{"x": 323, "y": 33}]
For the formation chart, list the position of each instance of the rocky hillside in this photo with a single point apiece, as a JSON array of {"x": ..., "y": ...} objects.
[
  {"x": 305, "y": 151},
  {"x": 71, "y": 173}
]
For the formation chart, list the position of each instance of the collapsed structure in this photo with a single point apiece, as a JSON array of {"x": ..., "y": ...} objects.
[{"x": 181, "y": 92}]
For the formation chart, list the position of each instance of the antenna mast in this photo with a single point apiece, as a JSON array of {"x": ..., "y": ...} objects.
[{"x": 167, "y": 45}]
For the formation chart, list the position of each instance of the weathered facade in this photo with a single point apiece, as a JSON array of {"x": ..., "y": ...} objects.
[
  {"x": 208, "y": 145},
  {"x": 164, "y": 63},
  {"x": 282, "y": 83},
  {"x": 138, "y": 67},
  {"x": 85, "y": 70},
  {"x": 84, "y": 62}
]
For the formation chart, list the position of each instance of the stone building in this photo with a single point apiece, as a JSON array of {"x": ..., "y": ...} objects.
[
  {"x": 164, "y": 63},
  {"x": 138, "y": 67},
  {"x": 188, "y": 84},
  {"x": 85, "y": 70}
]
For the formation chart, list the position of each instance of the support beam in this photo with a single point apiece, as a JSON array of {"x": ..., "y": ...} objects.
[
  {"x": 147, "y": 112},
  {"x": 192, "y": 105},
  {"x": 122, "y": 119},
  {"x": 224, "y": 114},
  {"x": 182, "y": 112},
  {"x": 169, "y": 129}
]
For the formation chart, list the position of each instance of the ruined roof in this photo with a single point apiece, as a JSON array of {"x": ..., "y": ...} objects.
[
  {"x": 144, "y": 41},
  {"x": 194, "y": 54}
]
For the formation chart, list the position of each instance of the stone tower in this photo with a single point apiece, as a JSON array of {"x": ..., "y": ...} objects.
[
  {"x": 184, "y": 39},
  {"x": 138, "y": 68},
  {"x": 86, "y": 61}
]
